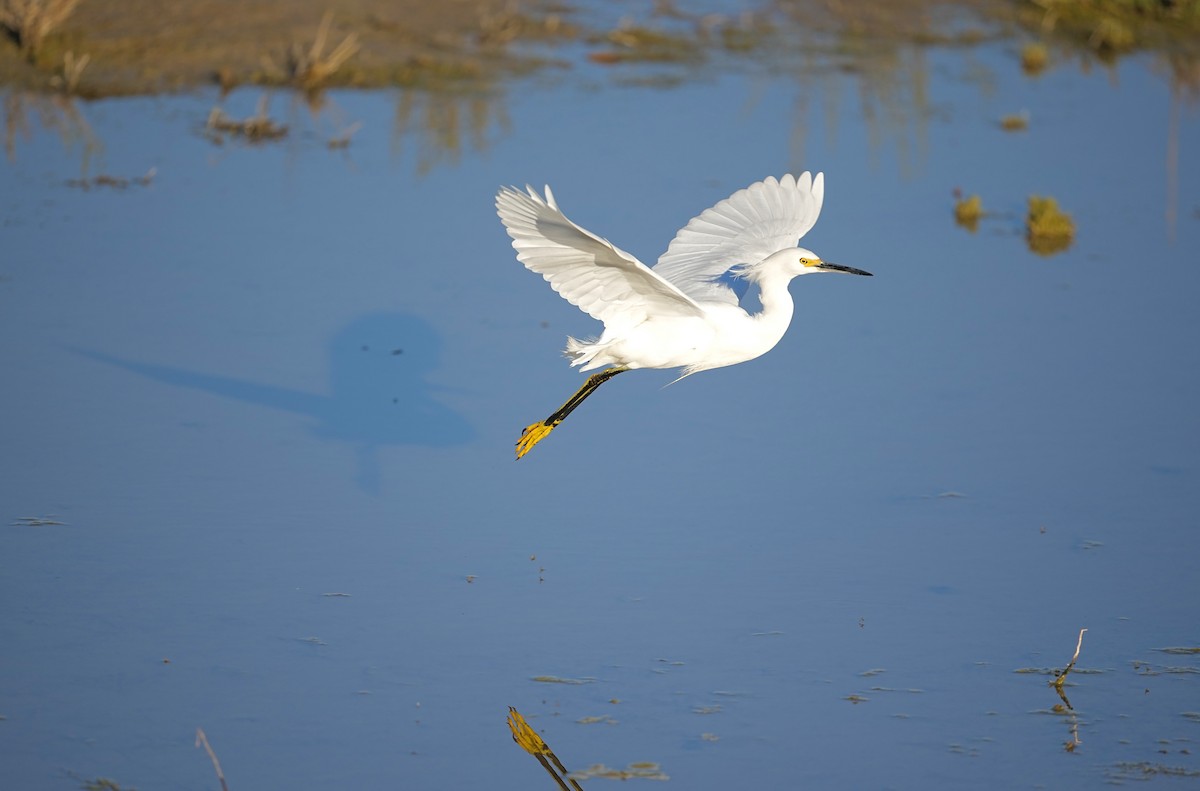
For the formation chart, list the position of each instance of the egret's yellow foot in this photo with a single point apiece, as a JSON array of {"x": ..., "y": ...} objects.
[
  {"x": 536, "y": 432},
  {"x": 532, "y": 435}
]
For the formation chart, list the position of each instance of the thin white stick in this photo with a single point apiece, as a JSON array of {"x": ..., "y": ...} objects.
[{"x": 201, "y": 739}]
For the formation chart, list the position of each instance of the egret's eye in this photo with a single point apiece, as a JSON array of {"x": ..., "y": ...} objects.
[{"x": 804, "y": 261}]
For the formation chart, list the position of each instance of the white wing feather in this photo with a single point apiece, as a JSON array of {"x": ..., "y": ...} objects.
[
  {"x": 591, "y": 273},
  {"x": 743, "y": 229}
]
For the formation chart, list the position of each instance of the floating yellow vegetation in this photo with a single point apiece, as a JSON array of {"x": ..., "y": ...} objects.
[
  {"x": 1034, "y": 58},
  {"x": 967, "y": 212},
  {"x": 1016, "y": 122},
  {"x": 1049, "y": 230}
]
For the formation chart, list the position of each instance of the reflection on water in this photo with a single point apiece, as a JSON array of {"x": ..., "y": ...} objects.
[
  {"x": 57, "y": 115},
  {"x": 438, "y": 127},
  {"x": 378, "y": 393},
  {"x": 445, "y": 125}
]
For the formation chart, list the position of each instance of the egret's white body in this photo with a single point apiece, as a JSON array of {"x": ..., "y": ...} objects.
[{"x": 680, "y": 314}]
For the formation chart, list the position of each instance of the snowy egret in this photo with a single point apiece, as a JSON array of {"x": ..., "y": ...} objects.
[{"x": 682, "y": 313}]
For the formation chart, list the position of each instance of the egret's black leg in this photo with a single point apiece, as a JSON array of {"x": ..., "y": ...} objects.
[{"x": 536, "y": 432}]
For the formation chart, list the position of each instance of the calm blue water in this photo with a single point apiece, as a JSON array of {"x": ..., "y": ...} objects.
[{"x": 283, "y": 372}]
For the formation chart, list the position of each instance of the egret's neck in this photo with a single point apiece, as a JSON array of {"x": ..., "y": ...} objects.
[{"x": 777, "y": 306}]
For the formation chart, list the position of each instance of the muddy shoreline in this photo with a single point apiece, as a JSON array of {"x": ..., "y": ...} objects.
[
  {"x": 146, "y": 47},
  {"x": 139, "y": 47}
]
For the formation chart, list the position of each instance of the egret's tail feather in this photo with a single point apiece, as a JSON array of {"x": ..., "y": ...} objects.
[{"x": 583, "y": 352}]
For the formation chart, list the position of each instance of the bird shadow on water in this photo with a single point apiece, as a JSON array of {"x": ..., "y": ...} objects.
[{"x": 378, "y": 394}]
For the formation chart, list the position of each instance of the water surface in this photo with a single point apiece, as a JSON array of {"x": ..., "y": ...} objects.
[{"x": 271, "y": 398}]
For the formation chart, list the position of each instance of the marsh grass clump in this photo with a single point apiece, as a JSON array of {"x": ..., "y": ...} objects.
[
  {"x": 744, "y": 35},
  {"x": 311, "y": 68},
  {"x": 30, "y": 21},
  {"x": 968, "y": 211},
  {"x": 72, "y": 70},
  {"x": 635, "y": 43},
  {"x": 258, "y": 128},
  {"x": 508, "y": 25},
  {"x": 1114, "y": 27},
  {"x": 1048, "y": 229},
  {"x": 1034, "y": 58}
]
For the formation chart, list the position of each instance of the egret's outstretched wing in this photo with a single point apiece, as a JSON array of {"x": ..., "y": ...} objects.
[
  {"x": 744, "y": 228},
  {"x": 589, "y": 272}
]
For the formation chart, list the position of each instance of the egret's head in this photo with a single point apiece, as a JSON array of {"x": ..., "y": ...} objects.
[
  {"x": 806, "y": 262},
  {"x": 791, "y": 262}
]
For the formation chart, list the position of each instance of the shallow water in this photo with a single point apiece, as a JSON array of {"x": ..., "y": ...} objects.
[{"x": 271, "y": 398}]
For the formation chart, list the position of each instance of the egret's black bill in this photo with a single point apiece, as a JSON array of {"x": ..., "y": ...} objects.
[{"x": 839, "y": 268}]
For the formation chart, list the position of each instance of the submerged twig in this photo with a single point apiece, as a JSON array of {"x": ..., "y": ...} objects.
[
  {"x": 1061, "y": 677},
  {"x": 202, "y": 740}
]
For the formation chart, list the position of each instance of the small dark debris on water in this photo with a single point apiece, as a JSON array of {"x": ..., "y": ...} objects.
[
  {"x": 36, "y": 521},
  {"x": 397, "y": 352},
  {"x": 342, "y": 140},
  {"x": 104, "y": 784},
  {"x": 1144, "y": 769},
  {"x": 113, "y": 182}
]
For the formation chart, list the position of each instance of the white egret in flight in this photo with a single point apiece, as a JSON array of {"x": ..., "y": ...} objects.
[{"x": 680, "y": 314}]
